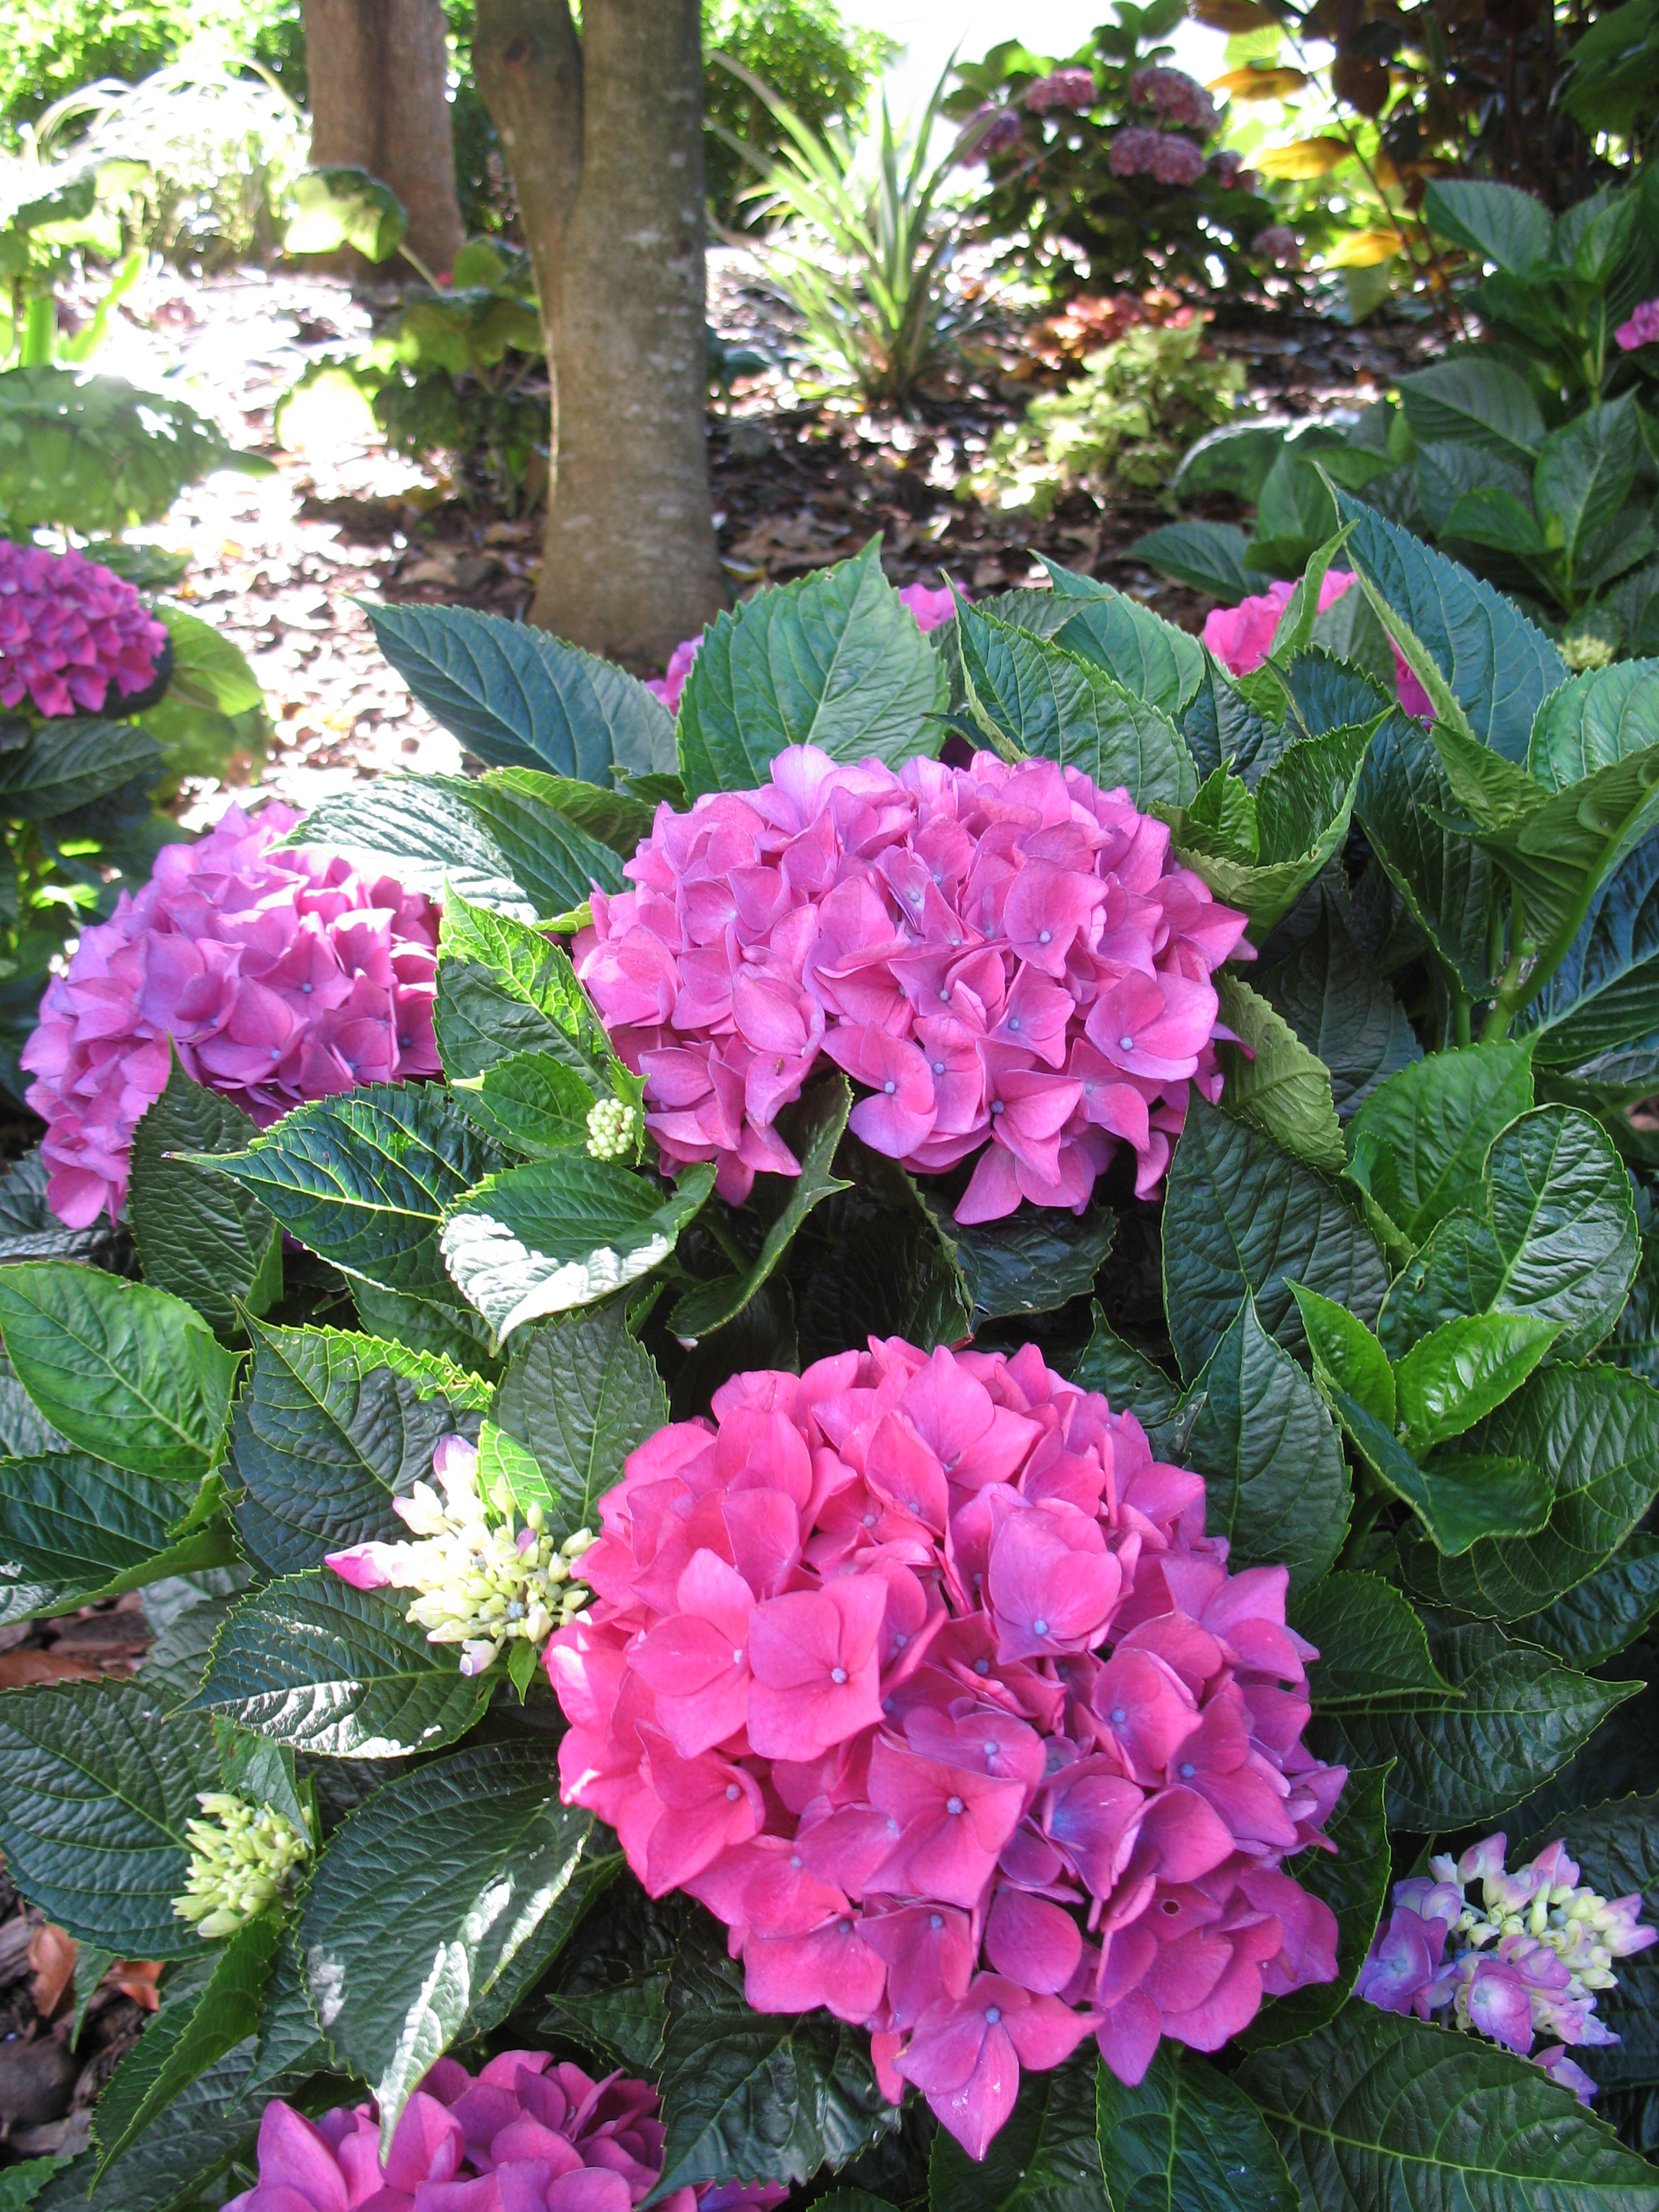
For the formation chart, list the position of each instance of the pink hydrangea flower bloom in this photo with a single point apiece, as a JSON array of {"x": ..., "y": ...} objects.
[
  {"x": 1006, "y": 959},
  {"x": 920, "y": 1672},
  {"x": 71, "y": 632},
  {"x": 1530, "y": 1956},
  {"x": 279, "y": 975},
  {"x": 526, "y": 2135},
  {"x": 1070, "y": 89},
  {"x": 1178, "y": 98},
  {"x": 930, "y": 608},
  {"x": 1134, "y": 150},
  {"x": 992, "y": 130},
  {"x": 1642, "y": 329},
  {"x": 1241, "y": 637}
]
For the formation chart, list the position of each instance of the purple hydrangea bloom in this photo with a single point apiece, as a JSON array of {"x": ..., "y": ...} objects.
[
  {"x": 1178, "y": 98},
  {"x": 70, "y": 631},
  {"x": 1072, "y": 88},
  {"x": 1642, "y": 329}
]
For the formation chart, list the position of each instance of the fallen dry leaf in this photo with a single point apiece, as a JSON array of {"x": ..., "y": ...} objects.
[
  {"x": 51, "y": 1954},
  {"x": 19, "y": 1669},
  {"x": 136, "y": 1979}
]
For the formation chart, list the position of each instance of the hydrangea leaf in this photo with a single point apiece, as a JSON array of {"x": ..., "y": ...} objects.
[
  {"x": 1030, "y": 1262},
  {"x": 330, "y": 1428},
  {"x": 1354, "y": 1882},
  {"x": 127, "y": 1373},
  {"x": 1275, "y": 1479},
  {"x": 1259, "y": 856},
  {"x": 530, "y": 1103},
  {"x": 1186, "y": 2139},
  {"x": 813, "y": 1130},
  {"x": 1558, "y": 1243},
  {"x": 1347, "y": 1356},
  {"x": 1462, "y": 1495},
  {"x": 1044, "y": 2158},
  {"x": 29, "y": 1229},
  {"x": 1499, "y": 668},
  {"x": 1518, "y": 1716},
  {"x": 879, "y": 1263},
  {"x": 92, "y": 453},
  {"x": 187, "y": 2038},
  {"x": 1594, "y": 720},
  {"x": 519, "y": 698},
  {"x": 73, "y": 1529},
  {"x": 580, "y": 1393},
  {"x": 1597, "y": 1428},
  {"x": 1208, "y": 556},
  {"x": 1446, "y": 882},
  {"x": 97, "y": 1782},
  {"x": 1157, "y": 660},
  {"x": 312, "y": 1663},
  {"x": 1599, "y": 1012},
  {"x": 202, "y": 1237},
  {"x": 1132, "y": 1384},
  {"x": 1342, "y": 1011},
  {"x": 1243, "y": 1216},
  {"x": 362, "y": 1179},
  {"x": 1417, "y": 1147},
  {"x": 290, "y": 2040},
  {"x": 499, "y": 847},
  {"x": 470, "y": 1860},
  {"x": 1375, "y": 2109},
  {"x": 563, "y": 1232},
  {"x": 1373, "y": 1650},
  {"x": 70, "y": 762},
  {"x": 170, "y": 2169},
  {"x": 1273, "y": 1081},
  {"x": 771, "y": 2096},
  {"x": 1457, "y": 1374},
  {"x": 1033, "y": 697},
  {"x": 1602, "y": 1616},
  {"x": 1223, "y": 729},
  {"x": 836, "y": 660},
  {"x": 531, "y": 1000}
]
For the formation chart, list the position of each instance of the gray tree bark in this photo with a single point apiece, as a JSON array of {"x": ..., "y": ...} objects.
[
  {"x": 379, "y": 72},
  {"x": 604, "y": 135}
]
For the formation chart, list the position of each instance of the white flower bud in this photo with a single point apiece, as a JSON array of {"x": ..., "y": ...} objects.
[{"x": 612, "y": 1130}]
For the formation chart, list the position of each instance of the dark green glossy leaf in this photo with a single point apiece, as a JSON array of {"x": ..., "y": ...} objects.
[
  {"x": 1347, "y": 1360},
  {"x": 1241, "y": 1215},
  {"x": 312, "y": 1663},
  {"x": 1594, "y": 720},
  {"x": 1208, "y": 556},
  {"x": 71, "y": 763},
  {"x": 1455, "y": 1376},
  {"x": 1273, "y": 1081},
  {"x": 532, "y": 1104},
  {"x": 1153, "y": 658},
  {"x": 1445, "y": 880},
  {"x": 502, "y": 988},
  {"x": 1473, "y": 401},
  {"x": 1599, "y": 1012},
  {"x": 1032, "y": 1262},
  {"x": 1131, "y": 1383},
  {"x": 1187, "y": 2140},
  {"x": 1044, "y": 2158},
  {"x": 581, "y": 1393},
  {"x": 1373, "y": 1650},
  {"x": 1417, "y": 1146},
  {"x": 1462, "y": 1495},
  {"x": 1342, "y": 1011},
  {"x": 204, "y": 1238},
  {"x": 1587, "y": 1625},
  {"x": 74, "y": 1528}
]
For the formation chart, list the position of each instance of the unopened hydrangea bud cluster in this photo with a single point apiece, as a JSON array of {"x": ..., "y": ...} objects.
[
  {"x": 486, "y": 1575},
  {"x": 71, "y": 632},
  {"x": 524, "y": 2135},
  {"x": 280, "y": 975},
  {"x": 1006, "y": 958},
  {"x": 243, "y": 1859},
  {"x": 921, "y": 1673},
  {"x": 1529, "y": 1958},
  {"x": 612, "y": 1129}
]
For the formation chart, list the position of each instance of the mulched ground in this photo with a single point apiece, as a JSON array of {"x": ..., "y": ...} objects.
[{"x": 280, "y": 563}]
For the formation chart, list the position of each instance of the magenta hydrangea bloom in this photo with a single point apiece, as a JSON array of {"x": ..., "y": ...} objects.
[
  {"x": 70, "y": 631},
  {"x": 919, "y": 1671},
  {"x": 930, "y": 609},
  {"x": 1005, "y": 959},
  {"x": 1241, "y": 637},
  {"x": 991, "y": 131},
  {"x": 1642, "y": 329},
  {"x": 1178, "y": 98},
  {"x": 527, "y": 2135},
  {"x": 1072, "y": 89},
  {"x": 279, "y": 975},
  {"x": 1530, "y": 1957}
]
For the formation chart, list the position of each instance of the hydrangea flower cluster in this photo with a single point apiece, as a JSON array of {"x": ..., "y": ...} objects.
[
  {"x": 486, "y": 1577},
  {"x": 1141, "y": 150},
  {"x": 1004, "y": 956},
  {"x": 1278, "y": 244},
  {"x": 70, "y": 631},
  {"x": 1176, "y": 97},
  {"x": 921, "y": 1673},
  {"x": 612, "y": 1129},
  {"x": 1642, "y": 329},
  {"x": 992, "y": 130},
  {"x": 1228, "y": 170},
  {"x": 1241, "y": 637},
  {"x": 1529, "y": 1958},
  {"x": 526, "y": 2135},
  {"x": 929, "y": 607},
  {"x": 1072, "y": 89},
  {"x": 243, "y": 1859},
  {"x": 279, "y": 975}
]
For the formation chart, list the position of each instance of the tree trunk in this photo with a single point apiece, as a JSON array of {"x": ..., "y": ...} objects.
[
  {"x": 379, "y": 72},
  {"x": 630, "y": 565}
]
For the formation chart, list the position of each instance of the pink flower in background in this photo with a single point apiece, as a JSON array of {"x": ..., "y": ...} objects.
[
  {"x": 1241, "y": 637},
  {"x": 1176, "y": 160},
  {"x": 930, "y": 609},
  {"x": 527, "y": 2135},
  {"x": 1277, "y": 244},
  {"x": 1006, "y": 959},
  {"x": 920, "y": 1672},
  {"x": 279, "y": 975},
  {"x": 71, "y": 631},
  {"x": 1134, "y": 150},
  {"x": 1530, "y": 1956},
  {"x": 991, "y": 131},
  {"x": 1642, "y": 329},
  {"x": 1176, "y": 97},
  {"x": 1070, "y": 89}
]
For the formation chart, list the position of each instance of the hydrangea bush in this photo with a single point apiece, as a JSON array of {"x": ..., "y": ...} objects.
[{"x": 817, "y": 1671}]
